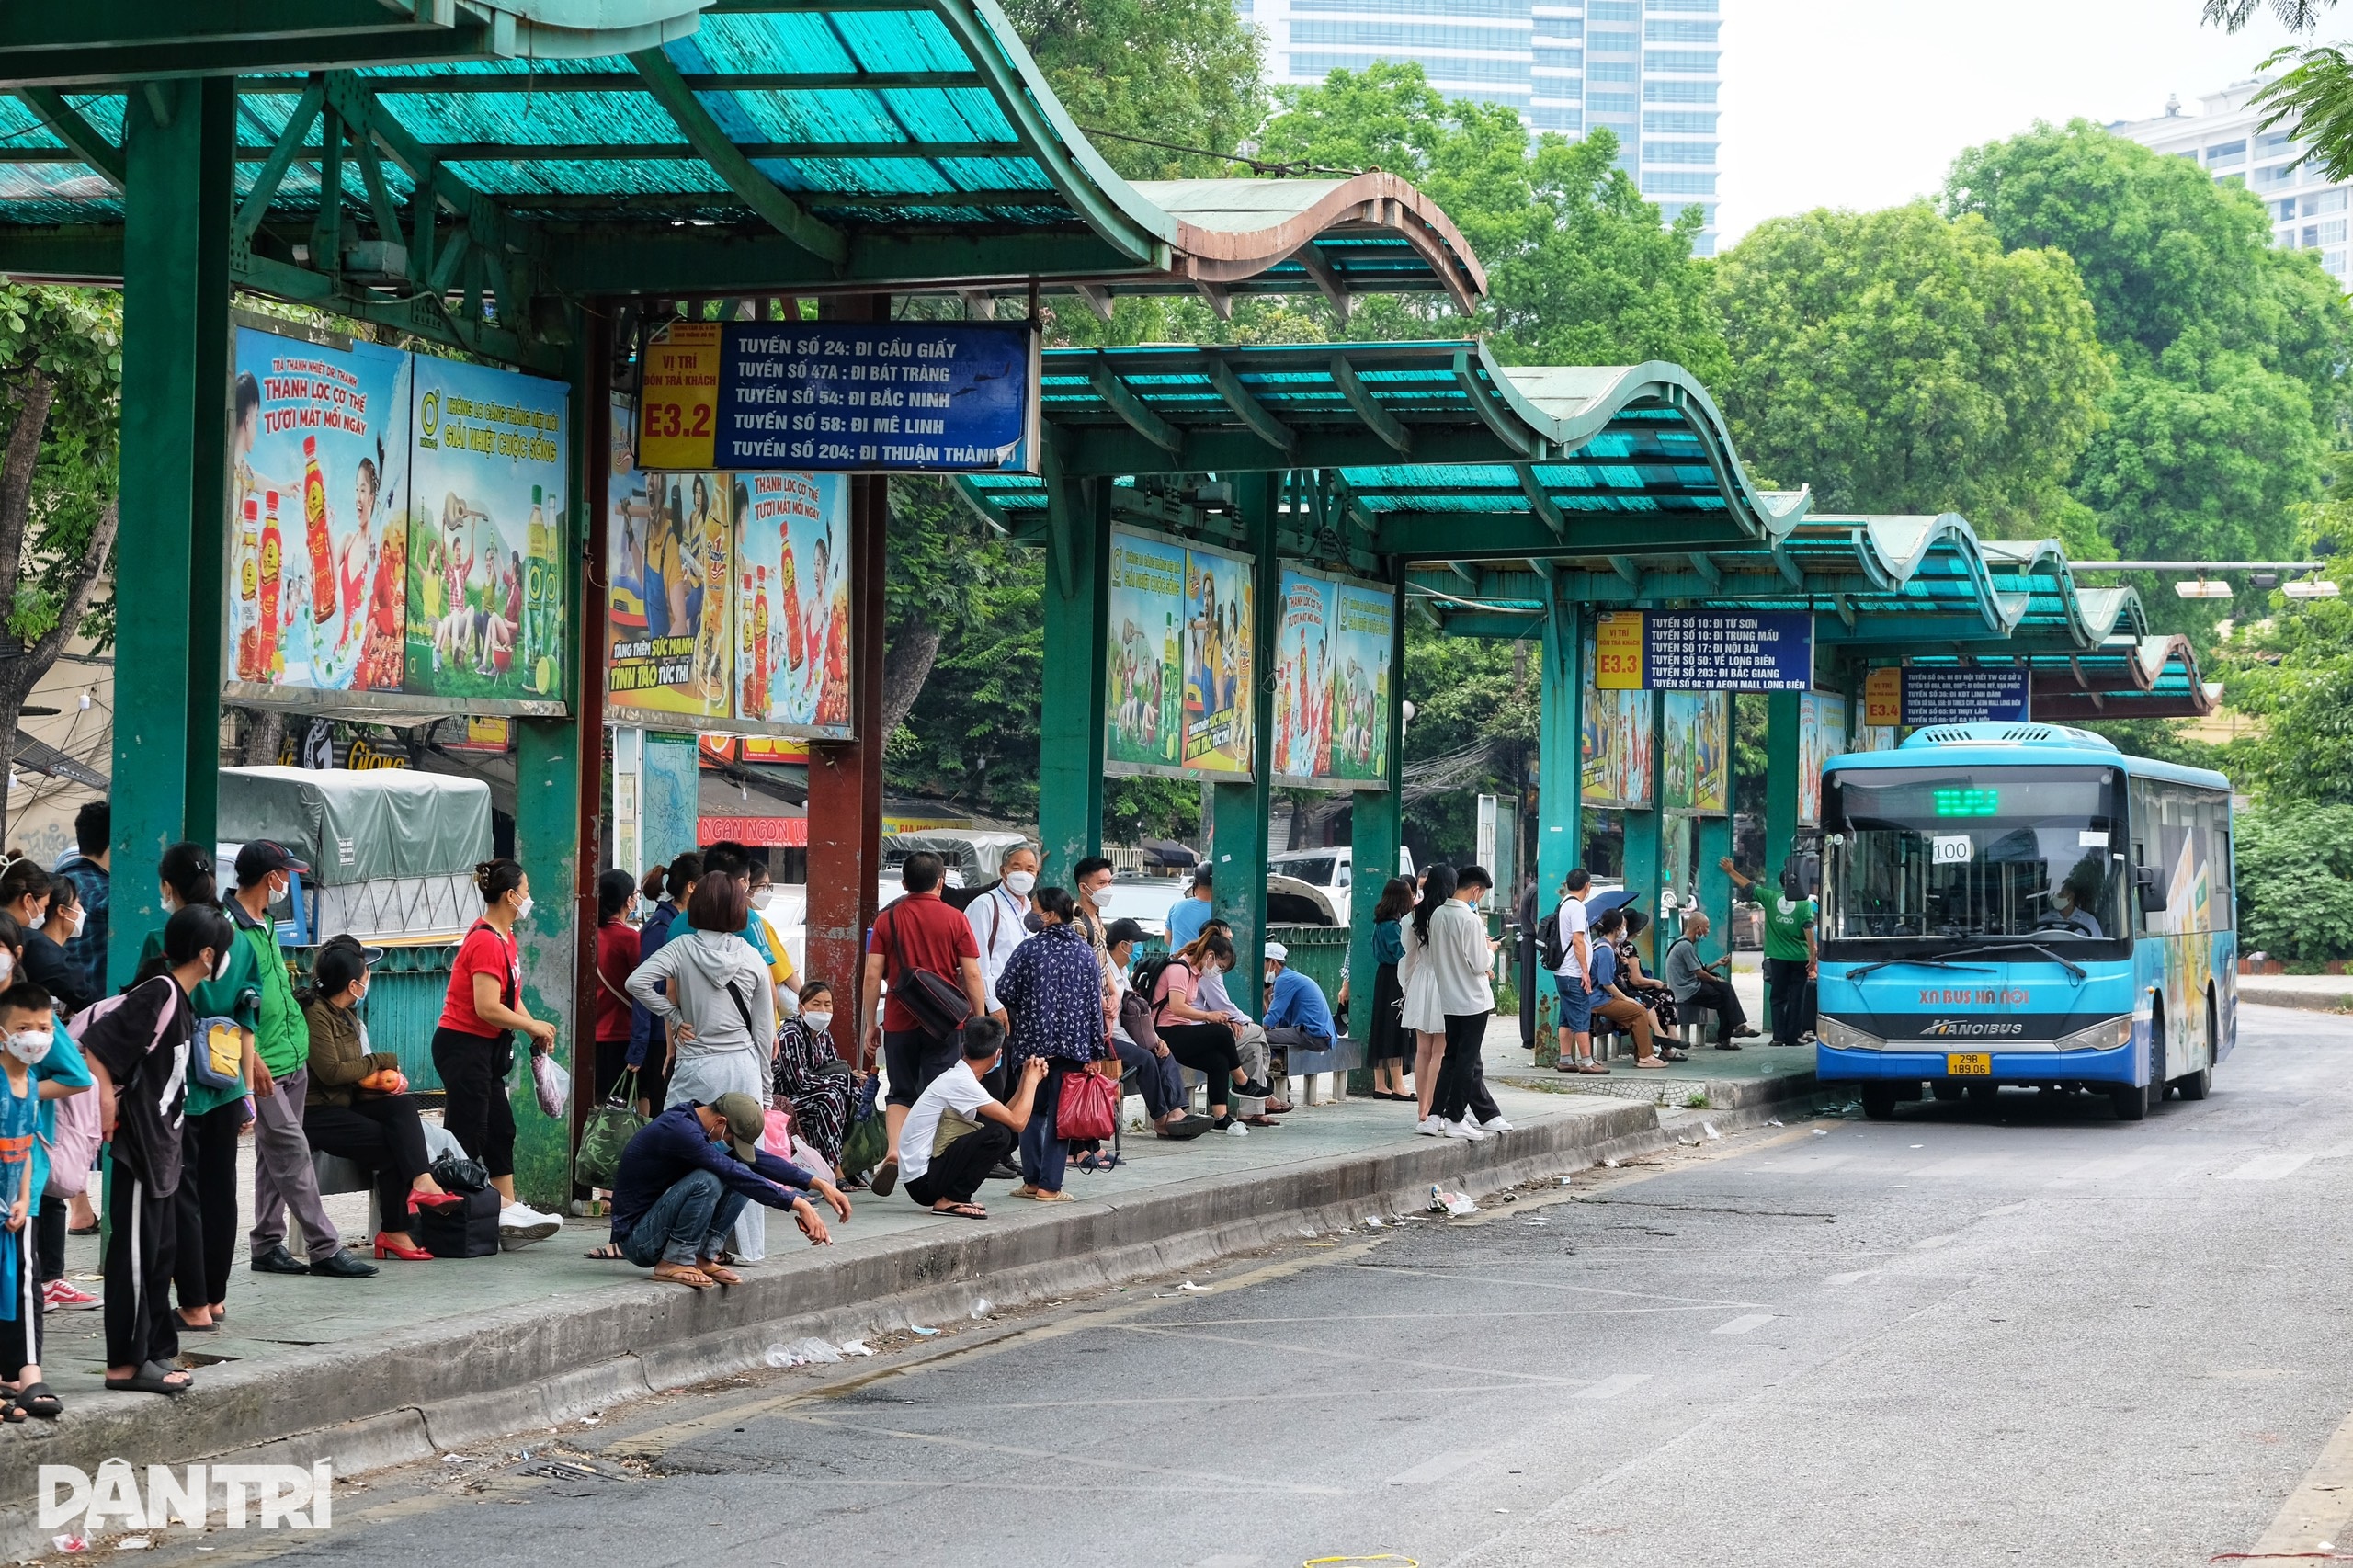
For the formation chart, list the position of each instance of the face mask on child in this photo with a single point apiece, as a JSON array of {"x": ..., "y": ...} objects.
[{"x": 28, "y": 1046}]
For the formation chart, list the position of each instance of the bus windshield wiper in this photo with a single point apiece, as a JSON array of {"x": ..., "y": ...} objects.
[
  {"x": 1858, "y": 973},
  {"x": 2070, "y": 965}
]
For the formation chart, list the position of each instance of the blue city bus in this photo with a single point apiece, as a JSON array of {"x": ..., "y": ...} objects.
[{"x": 2023, "y": 905}]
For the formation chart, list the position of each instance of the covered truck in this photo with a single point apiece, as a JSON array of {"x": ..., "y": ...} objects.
[{"x": 392, "y": 852}]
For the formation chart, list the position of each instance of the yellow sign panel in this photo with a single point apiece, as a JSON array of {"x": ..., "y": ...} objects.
[
  {"x": 678, "y": 424},
  {"x": 1617, "y": 650},
  {"x": 1883, "y": 697}
]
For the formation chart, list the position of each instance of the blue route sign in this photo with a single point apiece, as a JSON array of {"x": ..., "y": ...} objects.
[
  {"x": 1727, "y": 650},
  {"x": 884, "y": 397},
  {"x": 1987, "y": 694}
]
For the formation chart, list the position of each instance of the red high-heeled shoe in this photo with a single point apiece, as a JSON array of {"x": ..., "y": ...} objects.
[
  {"x": 417, "y": 1200},
  {"x": 387, "y": 1247}
]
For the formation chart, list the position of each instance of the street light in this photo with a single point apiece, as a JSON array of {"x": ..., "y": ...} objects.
[
  {"x": 2202, "y": 588},
  {"x": 2315, "y": 589}
]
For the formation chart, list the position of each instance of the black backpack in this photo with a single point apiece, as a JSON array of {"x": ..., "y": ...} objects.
[
  {"x": 1548, "y": 940},
  {"x": 1145, "y": 979}
]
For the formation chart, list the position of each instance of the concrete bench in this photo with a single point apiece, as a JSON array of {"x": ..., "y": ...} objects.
[{"x": 1345, "y": 1056}]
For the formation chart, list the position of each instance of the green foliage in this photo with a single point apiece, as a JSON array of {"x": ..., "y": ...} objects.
[
  {"x": 2315, "y": 97},
  {"x": 2295, "y": 880},
  {"x": 1177, "y": 71},
  {"x": 1899, "y": 361},
  {"x": 2293, "y": 672},
  {"x": 70, "y": 340},
  {"x": 1466, "y": 692}
]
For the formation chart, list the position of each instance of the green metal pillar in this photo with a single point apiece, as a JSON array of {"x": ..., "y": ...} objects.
[
  {"x": 555, "y": 823},
  {"x": 1784, "y": 760},
  {"x": 171, "y": 552},
  {"x": 1643, "y": 829},
  {"x": 1560, "y": 836},
  {"x": 1238, "y": 812},
  {"x": 1078, "y": 605},
  {"x": 1715, "y": 887},
  {"x": 1375, "y": 822}
]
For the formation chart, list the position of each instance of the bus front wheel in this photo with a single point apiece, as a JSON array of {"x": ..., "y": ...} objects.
[{"x": 1879, "y": 1101}]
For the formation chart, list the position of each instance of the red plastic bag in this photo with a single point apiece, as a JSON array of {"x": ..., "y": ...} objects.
[{"x": 1089, "y": 1108}]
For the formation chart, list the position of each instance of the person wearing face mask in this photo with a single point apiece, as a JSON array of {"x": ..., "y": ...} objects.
[
  {"x": 29, "y": 1035},
  {"x": 736, "y": 861},
  {"x": 1001, "y": 921},
  {"x": 205, "y": 1207},
  {"x": 360, "y": 1105},
  {"x": 474, "y": 1048},
  {"x": 62, "y": 1073},
  {"x": 811, "y": 1078},
  {"x": 30, "y": 895},
  {"x": 615, "y": 956},
  {"x": 280, "y": 1073}
]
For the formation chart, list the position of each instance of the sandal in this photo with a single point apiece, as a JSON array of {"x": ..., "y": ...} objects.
[
  {"x": 607, "y": 1253},
  {"x": 1260, "y": 1121},
  {"x": 885, "y": 1178},
  {"x": 1042, "y": 1196},
  {"x": 10, "y": 1414},
  {"x": 1649, "y": 1061},
  {"x": 722, "y": 1273},
  {"x": 964, "y": 1212},
  {"x": 682, "y": 1273},
  {"x": 36, "y": 1400},
  {"x": 1592, "y": 1068},
  {"x": 153, "y": 1377}
]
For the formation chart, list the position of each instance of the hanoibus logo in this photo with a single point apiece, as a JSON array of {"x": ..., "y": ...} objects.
[{"x": 273, "y": 1497}]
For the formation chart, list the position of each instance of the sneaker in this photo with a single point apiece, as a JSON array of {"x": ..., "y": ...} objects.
[
  {"x": 1496, "y": 1124},
  {"x": 1463, "y": 1130},
  {"x": 1430, "y": 1126},
  {"x": 1255, "y": 1091},
  {"x": 519, "y": 1225},
  {"x": 62, "y": 1296},
  {"x": 1807, "y": 1038}
]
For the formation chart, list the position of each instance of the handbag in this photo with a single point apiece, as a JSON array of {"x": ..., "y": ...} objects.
[
  {"x": 1087, "y": 1109},
  {"x": 460, "y": 1173},
  {"x": 611, "y": 1127},
  {"x": 940, "y": 1007},
  {"x": 868, "y": 1138},
  {"x": 468, "y": 1228}
]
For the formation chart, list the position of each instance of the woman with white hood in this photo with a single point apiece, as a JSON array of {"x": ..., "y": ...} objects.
[{"x": 724, "y": 1017}]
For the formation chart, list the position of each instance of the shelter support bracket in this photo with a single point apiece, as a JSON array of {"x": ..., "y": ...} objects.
[
  {"x": 1715, "y": 886},
  {"x": 1645, "y": 831},
  {"x": 1238, "y": 812},
  {"x": 1784, "y": 761},
  {"x": 178, "y": 172},
  {"x": 846, "y": 777},
  {"x": 1376, "y": 825},
  {"x": 1559, "y": 832},
  {"x": 1070, "y": 722}
]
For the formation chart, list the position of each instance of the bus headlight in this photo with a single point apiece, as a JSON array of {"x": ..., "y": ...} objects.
[
  {"x": 2106, "y": 1035},
  {"x": 1842, "y": 1036}
]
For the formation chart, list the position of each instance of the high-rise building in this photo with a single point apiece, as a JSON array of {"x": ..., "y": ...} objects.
[
  {"x": 1647, "y": 69},
  {"x": 2308, "y": 210}
]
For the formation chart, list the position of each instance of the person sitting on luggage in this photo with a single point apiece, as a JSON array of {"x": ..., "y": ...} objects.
[
  {"x": 955, "y": 1132},
  {"x": 360, "y": 1108},
  {"x": 686, "y": 1176}
]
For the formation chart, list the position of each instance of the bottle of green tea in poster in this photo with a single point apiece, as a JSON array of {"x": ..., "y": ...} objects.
[
  {"x": 539, "y": 595},
  {"x": 1172, "y": 691}
]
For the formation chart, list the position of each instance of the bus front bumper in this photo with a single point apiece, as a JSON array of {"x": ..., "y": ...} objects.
[{"x": 2117, "y": 1065}]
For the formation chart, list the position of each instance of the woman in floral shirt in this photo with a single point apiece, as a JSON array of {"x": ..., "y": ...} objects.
[{"x": 1052, "y": 991}]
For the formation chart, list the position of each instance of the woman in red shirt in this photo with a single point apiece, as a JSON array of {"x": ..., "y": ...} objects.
[
  {"x": 615, "y": 956},
  {"x": 475, "y": 1048}
]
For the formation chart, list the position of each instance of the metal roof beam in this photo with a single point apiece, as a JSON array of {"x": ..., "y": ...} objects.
[
  {"x": 1367, "y": 407},
  {"x": 81, "y": 138},
  {"x": 1313, "y": 262},
  {"x": 106, "y": 42},
  {"x": 1539, "y": 502},
  {"x": 1251, "y": 412},
  {"x": 1489, "y": 412},
  {"x": 608, "y": 259},
  {"x": 1135, "y": 410},
  {"x": 520, "y": 82},
  {"x": 1709, "y": 573},
  {"x": 1476, "y": 535},
  {"x": 728, "y": 162}
]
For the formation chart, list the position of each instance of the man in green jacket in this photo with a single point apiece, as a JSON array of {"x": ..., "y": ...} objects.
[{"x": 283, "y": 1177}]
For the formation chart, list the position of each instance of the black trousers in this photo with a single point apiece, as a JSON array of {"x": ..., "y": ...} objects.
[
  {"x": 955, "y": 1171},
  {"x": 1526, "y": 994},
  {"x": 1205, "y": 1048},
  {"x": 21, "y": 1333},
  {"x": 474, "y": 1071},
  {"x": 1785, "y": 986},
  {"x": 49, "y": 1226},
  {"x": 1460, "y": 1072},
  {"x": 1718, "y": 996},
  {"x": 204, "y": 1209},
  {"x": 143, "y": 1241},
  {"x": 612, "y": 1060},
  {"x": 382, "y": 1132}
]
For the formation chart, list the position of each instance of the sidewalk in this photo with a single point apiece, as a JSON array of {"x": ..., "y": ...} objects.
[
  {"x": 1724, "y": 1080},
  {"x": 2315, "y": 993},
  {"x": 438, "y": 1355}
]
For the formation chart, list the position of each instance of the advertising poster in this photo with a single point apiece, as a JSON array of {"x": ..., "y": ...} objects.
[
  {"x": 673, "y": 566},
  {"x": 1332, "y": 680},
  {"x": 792, "y": 601},
  {"x": 1822, "y": 734},
  {"x": 1616, "y": 745},
  {"x": 319, "y": 465},
  {"x": 486, "y": 519},
  {"x": 1179, "y": 678},
  {"x": 1698, "y": 762}
]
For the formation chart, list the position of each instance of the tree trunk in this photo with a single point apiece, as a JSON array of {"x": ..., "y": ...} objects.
[
  {"x": 264, "y": 730},
  {"x": 906, "y": 664}
]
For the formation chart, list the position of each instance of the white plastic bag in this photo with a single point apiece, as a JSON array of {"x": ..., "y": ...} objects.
[{"x": 553, "y": 1083}]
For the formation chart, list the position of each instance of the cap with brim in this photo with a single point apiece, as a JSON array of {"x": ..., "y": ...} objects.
[
  {"x": 257, "y": 857},
  {"x": 367, "y": 955},
  {"x": 1277, "y": 953},
  {"x": 746, "y": 1120}
]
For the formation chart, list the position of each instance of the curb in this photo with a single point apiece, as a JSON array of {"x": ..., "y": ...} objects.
[
  {"x": 2308, "y": 1001},
  {"x": 426, "y": 1390}
]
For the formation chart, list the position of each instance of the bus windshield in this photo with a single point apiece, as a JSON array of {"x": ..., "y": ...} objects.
[{"x": 1961, "y": 854}]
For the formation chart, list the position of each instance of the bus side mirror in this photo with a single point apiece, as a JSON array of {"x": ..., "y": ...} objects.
[{"x": 2153, "y": 897}]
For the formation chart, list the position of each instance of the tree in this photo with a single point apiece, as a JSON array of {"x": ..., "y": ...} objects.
[
  {"x": 1899, "y": 361},
  {"x": 60, "y": 371},
  {"x": 1184, "y": 72}
]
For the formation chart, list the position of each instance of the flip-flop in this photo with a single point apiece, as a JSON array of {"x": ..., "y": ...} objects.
[
  {"x": 10, "y": 1415},
  {"x": 152, "y": 1378},
  {"x": 720, "y": 1273},
  {"x": 36, "y": 1400},
  {"x": 886, "y": 1177},
  {"x": 607, "y": 1253},
  {"x": 1653, "y": 1061},
  {"x": 682, "y": 1273},
  {"x": 964, "y": 1212},
  {"x": 1260, "y": 1121}
]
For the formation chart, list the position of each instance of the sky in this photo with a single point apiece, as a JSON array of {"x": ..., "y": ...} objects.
[{"x": 1864, "y": 103}]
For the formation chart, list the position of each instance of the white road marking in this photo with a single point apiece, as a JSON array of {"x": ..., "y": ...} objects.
[
  {"x": 1743, "y": 1325},
  {"x": 1438, "y": 1467},
  {"x": 2114, "y": 1165},
  {"x": 1611, "y": 1387},
  {"x": 2266, "y": 1167},
  {"x": 2321, "y": 1508},
  {"x": 2005, "y": 1208},
  {"x": 1848, "y": 1279}
]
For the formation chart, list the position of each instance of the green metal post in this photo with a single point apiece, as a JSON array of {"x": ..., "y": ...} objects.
[
  {"x": 1559, "y": 837},
  {"x": 1376, "y": 821},
  {"x": 1715, "y": 887},
  {"x": 556, "y": 850},
  {"x": 1239, "y": 811},
  {"x": 1643, "y": 829},
  {"x": 1783, "y": 760},
  {"x": 179, "y": 151},
  {"x": 1078, "y": 605}
]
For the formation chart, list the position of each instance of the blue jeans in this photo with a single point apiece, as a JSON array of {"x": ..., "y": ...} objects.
[
  {"x": 1044, "y": 1154},
  {"x": 689, "y": 1221}
]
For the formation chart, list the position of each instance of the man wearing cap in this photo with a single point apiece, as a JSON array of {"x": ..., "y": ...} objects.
[
  {"x": 281, "y": 1080},
  {"x": 1297, "y": 1012},
  {"x": 686, "y": 1176}
]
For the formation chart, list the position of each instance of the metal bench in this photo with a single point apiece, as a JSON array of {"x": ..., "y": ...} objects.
[{"x": 337, "y": 1175}]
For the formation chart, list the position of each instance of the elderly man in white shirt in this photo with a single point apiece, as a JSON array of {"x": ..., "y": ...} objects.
[{"x": 1000, "y": 919}]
